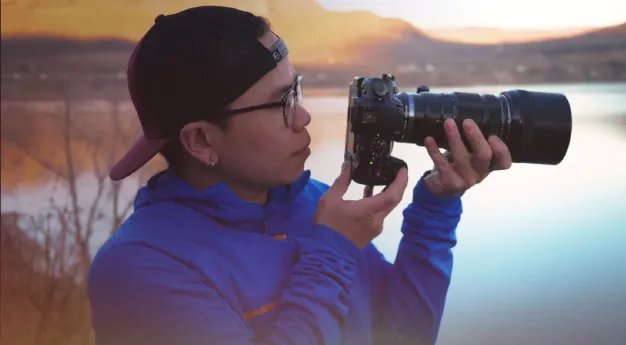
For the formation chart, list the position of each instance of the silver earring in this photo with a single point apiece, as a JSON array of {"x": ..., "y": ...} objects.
[{"x": 210, "y": 162}]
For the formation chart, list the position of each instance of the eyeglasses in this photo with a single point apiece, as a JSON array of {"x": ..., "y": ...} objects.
[{"x": 288, "y": 103}]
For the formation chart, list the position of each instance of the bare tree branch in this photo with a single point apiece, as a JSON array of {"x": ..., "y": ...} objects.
[
  {"x": 127, "y": 209},
  {"x": 100, "y": 183},
  {"x": 118, "y": 136},
  {"x": 42, "y": 162},
  {"x": 55, "y": 285}
]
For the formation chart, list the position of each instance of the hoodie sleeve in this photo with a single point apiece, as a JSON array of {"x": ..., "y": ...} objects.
[
  {"x": 409, "y": 295},
  {"x": 140, "y": 295}
]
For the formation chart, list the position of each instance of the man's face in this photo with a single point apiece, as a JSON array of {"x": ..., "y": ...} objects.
[{"x": 256, "y": 147}]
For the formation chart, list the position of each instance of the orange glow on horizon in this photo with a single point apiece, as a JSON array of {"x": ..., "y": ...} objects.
[
  {"x": 309, "y": 43},
  {"x": 315, "y": 35}
]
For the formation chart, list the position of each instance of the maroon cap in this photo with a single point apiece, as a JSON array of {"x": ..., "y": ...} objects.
[
  {"x": 188, "y": 67},
  {"x": 149, "y": 145}
]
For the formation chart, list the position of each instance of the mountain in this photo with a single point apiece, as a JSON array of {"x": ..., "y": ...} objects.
[
  {"x": 598, "y": 55},
  {"x": 36, "y": 46},
  {"x": 486, "y": 35},
  {"x": 299, "y": 22},
  {"x": 607, "y": 39},
  {"x": 329, "y": 48}
]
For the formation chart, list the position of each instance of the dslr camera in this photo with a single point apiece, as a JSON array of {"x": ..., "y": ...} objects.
[{"x": 536, "y": 126}]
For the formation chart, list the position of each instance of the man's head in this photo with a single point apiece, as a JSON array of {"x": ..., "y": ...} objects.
[{"x": 217, "y": 96}]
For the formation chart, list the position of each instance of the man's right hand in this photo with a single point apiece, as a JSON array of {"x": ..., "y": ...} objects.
[{"x": 359, "y": 220}]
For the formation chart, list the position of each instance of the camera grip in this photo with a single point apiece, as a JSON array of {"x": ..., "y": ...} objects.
[{"x": 379, "y": 171}]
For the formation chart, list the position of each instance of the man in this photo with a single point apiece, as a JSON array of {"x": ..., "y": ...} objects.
[{"x": 234, "y": 243}]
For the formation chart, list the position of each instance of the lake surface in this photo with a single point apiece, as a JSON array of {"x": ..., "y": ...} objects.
[{"x": 541, "y": 255}]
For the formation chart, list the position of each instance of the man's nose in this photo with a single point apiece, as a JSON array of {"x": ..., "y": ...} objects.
[{"x": 302, "y": 118}]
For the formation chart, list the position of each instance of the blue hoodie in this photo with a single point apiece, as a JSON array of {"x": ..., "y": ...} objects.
[{"x": 193, "y": 267}]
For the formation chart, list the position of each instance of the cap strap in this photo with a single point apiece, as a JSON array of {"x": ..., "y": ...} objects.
[{"x": 279, "y": 50}]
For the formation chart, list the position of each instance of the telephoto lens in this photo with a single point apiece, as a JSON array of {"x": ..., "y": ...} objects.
[{"x": 536, "y": 126}]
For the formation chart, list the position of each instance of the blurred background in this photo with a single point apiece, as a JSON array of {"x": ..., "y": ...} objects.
[{"x": 541, "y": 256}]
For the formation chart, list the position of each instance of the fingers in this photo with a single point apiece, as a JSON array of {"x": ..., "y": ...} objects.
[
  {"x": 391, "y": 196},
  {"x": 368, "y": 191},
  {"x": 442, "y": 163},
  {"x": 396, "y": 189},
  {"x": 341, "y": 184},
  {"x": 501, "y": 155},
  {"x": 459, "y": 152},
  {"x": 481, "y": 157}
]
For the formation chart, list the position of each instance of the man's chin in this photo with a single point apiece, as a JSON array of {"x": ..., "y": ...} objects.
[{"x": 293, "y": 176}]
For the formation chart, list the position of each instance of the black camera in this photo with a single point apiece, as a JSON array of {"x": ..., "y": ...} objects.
[{"x": 536, "y": 126}]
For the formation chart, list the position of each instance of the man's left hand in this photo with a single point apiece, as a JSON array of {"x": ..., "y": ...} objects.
[{"x": 460, "y": 170}]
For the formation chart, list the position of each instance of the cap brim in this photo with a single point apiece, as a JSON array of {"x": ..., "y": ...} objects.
[{"x": 142, "y": 151}]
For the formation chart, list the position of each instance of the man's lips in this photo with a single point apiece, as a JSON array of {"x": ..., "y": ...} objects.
[{"x": 304, "y": 149}]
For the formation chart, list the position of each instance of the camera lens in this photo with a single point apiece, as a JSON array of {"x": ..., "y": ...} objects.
[{"x": 536, "y": 126}]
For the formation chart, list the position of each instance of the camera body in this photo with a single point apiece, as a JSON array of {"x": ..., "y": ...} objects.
[
  {"x": 376, "y": 119},
  {"x": 535, "y": 126}
]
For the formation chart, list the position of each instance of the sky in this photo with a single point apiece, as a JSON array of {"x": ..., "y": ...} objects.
[{"x": 524, "y": 14}]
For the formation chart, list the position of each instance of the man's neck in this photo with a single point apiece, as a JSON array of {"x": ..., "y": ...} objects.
[
  {"x": 203, "y": 180},
  {"x": 250, "y": 194}
]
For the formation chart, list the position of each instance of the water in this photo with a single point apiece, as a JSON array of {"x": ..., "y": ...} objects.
[{"x": 541, "y": 256}]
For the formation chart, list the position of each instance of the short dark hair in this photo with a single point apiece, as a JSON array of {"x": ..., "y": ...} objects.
[{"x": 173, "y": 152}]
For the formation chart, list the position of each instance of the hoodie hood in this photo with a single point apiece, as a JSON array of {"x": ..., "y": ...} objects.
[{"x": 219, "y": 202}]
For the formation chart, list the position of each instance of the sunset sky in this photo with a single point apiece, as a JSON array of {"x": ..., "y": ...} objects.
[
  {"x": 512, "y": 20},
  {"x": 526, "y": 14}
]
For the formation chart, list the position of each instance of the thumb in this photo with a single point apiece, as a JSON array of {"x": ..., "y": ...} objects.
[{"x": 342, "y": 182}]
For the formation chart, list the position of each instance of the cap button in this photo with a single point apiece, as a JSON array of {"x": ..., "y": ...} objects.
[{"x": 159, "y": 17}]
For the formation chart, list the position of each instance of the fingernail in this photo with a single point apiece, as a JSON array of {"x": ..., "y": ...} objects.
[
  {"x": 467, "y": 126},
  {"x": 450, "y": 126}
]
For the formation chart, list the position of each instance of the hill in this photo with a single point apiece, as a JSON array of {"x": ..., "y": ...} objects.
[
  {"x": 486, "y": 35},
  {"x": 607, "y": 39},
  {"x": 298, "y": 21},
  {"x": 42, "y": 46},
  {"x": 329, "y": 55}
]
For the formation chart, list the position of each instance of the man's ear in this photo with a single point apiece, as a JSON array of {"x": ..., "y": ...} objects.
[{"x": 198, "y": 138}]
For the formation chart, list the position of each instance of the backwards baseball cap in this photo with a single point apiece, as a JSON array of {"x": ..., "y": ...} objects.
[{"x": 188, "y": 66}]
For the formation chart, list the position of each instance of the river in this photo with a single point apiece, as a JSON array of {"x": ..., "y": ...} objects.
[{"x": 541, "y": 255}]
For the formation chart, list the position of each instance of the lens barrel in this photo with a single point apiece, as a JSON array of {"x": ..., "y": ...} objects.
[{"x": 536, "y": 126}]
